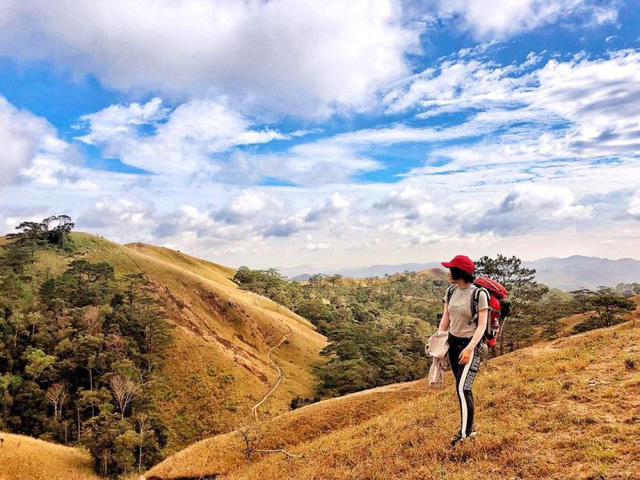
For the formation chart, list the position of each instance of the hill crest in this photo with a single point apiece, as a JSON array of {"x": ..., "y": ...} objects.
[{"x": 217, "y": 366}]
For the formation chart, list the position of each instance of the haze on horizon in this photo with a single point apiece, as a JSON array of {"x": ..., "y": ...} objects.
[{"x": 334, "y": 134}]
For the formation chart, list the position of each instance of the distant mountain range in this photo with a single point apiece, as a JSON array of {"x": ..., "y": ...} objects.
[
  {"x": 589, "y": 272},
  {"x": 568, "y": 273},
  {"x": 303, "y": 272}
]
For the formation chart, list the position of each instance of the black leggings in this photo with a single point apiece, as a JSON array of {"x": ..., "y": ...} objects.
[{"x": 465, "y": 374}]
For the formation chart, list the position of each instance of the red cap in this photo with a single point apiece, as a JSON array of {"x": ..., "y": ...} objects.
[{"x": 462, "y": 262}]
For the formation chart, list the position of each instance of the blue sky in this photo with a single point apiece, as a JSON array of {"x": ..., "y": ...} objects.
[{"x": 337, "y": 134}]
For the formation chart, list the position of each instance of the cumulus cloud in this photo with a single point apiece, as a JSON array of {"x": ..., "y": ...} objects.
[
  {"x": 332, "y": 209},
  {"x": 120, "y": 121},
  {"x": 302, "y": 57},
  {"x": 51, "y": 171},
  {"x": 22, "y": 136},
  {"x": 109, "y": 212},
  {"x": 249, "y": 205},
  {"x": 532, "y": 207},
  {"x": 193, "y": 139},
  {"x": 424, "y": 239},
  {"x": 284, "y": 228},
  {"x": 410, "y": 202},
  {"x": 181, "y": 140},
  {"x": 187, "y": 219}
]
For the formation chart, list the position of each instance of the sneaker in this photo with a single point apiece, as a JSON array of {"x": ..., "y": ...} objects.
[
  {"x": 456, "y": 438},
  {"x": 459, "y": 438}
]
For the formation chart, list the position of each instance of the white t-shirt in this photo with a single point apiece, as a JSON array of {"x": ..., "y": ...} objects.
[{"x": 460, "y": 323}]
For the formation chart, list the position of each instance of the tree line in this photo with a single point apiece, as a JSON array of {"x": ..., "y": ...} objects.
[{"x": 377, "y": 326}]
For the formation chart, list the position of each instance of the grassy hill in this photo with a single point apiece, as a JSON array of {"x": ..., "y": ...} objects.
[
  {"x": 25, "y": 458},
  {"x": 217, "y": 367},
  {"x": 569, "y": 408}
]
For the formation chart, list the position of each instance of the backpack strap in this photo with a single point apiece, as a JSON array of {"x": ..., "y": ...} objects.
[
  {"x": 450, "y": 290},
  {"x": 475, "y": 299}
]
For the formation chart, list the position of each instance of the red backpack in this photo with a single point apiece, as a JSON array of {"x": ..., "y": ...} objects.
[{"x": 499, "y": 305}]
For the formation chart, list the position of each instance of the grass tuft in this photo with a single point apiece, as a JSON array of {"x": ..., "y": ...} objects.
[{"x": 630, "y": 363}]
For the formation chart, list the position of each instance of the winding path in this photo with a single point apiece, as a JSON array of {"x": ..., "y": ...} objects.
[{"x": 254, "y": 410}]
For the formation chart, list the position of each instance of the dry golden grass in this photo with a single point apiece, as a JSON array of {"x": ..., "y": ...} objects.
[
  {"x": 435, "y": 273},
  {"x": 26, "y": 458},
  {"x": 224, "y": 453},
  {"x": 207, "y": 269},
  {"x": 558, "y": 410},
  {"x": 218, "y": 366}
]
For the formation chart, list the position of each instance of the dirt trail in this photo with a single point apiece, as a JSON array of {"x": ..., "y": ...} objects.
[{"x": 254, "y": 410}]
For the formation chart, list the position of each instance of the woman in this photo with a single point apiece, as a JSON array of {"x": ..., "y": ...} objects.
[{"x": 465, "y": 336}]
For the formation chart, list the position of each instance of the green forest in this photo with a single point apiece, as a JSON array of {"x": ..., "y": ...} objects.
[{"x": 79, "y": 351}]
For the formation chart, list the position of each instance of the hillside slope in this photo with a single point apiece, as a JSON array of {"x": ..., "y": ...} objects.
[
  {"x": 217, "y": 367},
  {"x": 566, "y": 325},
  {"x": 569, "y": 408},
  {"x": 25, "y": 458}
]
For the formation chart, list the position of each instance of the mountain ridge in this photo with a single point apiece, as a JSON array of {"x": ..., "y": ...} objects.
[{"x": 566, "y": 273}]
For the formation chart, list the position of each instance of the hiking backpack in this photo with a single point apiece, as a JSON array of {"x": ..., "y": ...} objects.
[{"x": 499, "y": 305}]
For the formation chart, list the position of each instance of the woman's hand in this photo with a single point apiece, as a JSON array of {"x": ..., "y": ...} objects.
[{"x": 465, "y": 356}]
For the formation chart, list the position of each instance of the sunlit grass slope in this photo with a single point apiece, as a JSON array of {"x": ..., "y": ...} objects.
[
  {"x": 224, "y": 453},
  {"x": 217, "y": 367},
  {"x": 564, "y": 409},
  {"x": 25, "y": 458}
]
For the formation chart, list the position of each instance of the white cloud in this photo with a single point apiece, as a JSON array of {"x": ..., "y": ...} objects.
[
  {"x": 600, "y": 97},
  {"x": 532, "y": 207},
  {"x": 315, "y": 247},
  {"x": 463, "y": 83},
  {"x": 316, "y": 163},
  {"x": 181, "y": 141},
  {"x": 22, "y": 136},
  {"x": 249, "y": 205},
  {"x": 504, "y": 18},
  {"x": 633, "y": 208},
  {"x": 410, "y": 202},
  {"x": 331, "y": 210},
  {"x": 302, "y": 57},
  {"x": 109, "y": 212},
  {"x": 305, "y": 132},
  {"x": 428, "y": 239},
  {"x": 120, "y": 121},
  {"x": 332, "y": 160},
  {"x": 546, "y": 202},
  {"x": 592, "y": 104},
  {"x": 49, "y": 171},
  {"x": 284, "y": 228}
]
